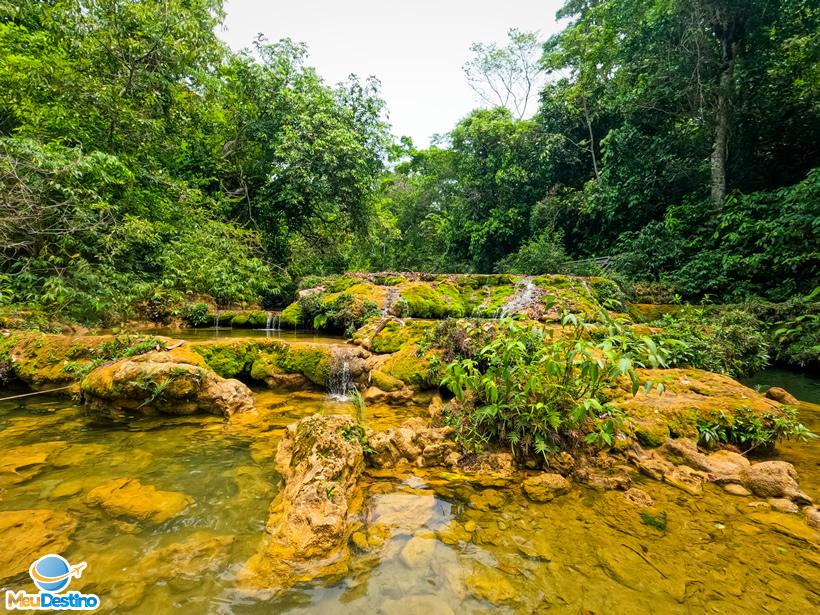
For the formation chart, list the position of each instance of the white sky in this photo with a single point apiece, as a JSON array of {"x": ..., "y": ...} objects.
[{"x": 415, "y": 47}]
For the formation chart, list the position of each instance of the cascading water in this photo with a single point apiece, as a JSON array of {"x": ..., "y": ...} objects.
[
  {"x": 216, "y": 320},
  {"x": 389, "y": 301},
  {"x": 524, "y": 295},
  {"x": 340, "y": 382},
  {"x": 273, "y": 321}
]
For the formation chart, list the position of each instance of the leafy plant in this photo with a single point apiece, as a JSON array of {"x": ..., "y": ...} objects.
[
  {"x": 749, "y": 431},
  {"x": 538, "y": 392}
]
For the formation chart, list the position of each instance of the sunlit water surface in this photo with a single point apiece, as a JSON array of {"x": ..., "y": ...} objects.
[{"x": 475, "y": 550}]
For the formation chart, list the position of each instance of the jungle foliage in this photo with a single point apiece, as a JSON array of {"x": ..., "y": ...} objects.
[{"x": 143, "y": 163}]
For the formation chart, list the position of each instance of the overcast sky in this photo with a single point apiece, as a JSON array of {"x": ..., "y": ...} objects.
[{"x": 415, "y": 47}]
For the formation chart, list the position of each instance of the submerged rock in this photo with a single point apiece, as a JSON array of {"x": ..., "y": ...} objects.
[
  {"x": 27, "y": 534},
  {"x": 546, "y": 487},
  {"x": 320, "y": 460},
  {"x": 171, "y": 382},
  {"x": 130, "y": 498}
]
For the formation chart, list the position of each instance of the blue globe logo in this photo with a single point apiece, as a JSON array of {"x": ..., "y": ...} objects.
[{"x": 52, "y": 573}]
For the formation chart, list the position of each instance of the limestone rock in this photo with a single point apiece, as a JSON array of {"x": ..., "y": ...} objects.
[
  {"x": 734, "y": 489},
  {"x": 545, "y": 487},
  {"x": 491, "y": 585},
  {"x": 638, "y": 497},
  {"x": 130, "y": 498},
  {"x": 776, "y": 479},
  {"x": 27, "y": 534},
  {"x": 414, "y": 443},
  {"x": 812, "y": 516},
  {"x": 170, "y": 382},
  {"x": 418, "y": 552},
  {"x": 308, "y": 525},
  {"x": 783, "y": 505},
  {"x": 396, "y": 397},
  {"x": 781, "y": 395},
  {"x": 686, "y": 479}
]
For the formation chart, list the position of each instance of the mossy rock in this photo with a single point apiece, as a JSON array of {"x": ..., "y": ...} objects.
[
  {"x": 425, "y": 300},
  {"x": 385, "y": 382},
  {"x": 407, "y": 366},
  {"x": 394, "y": 335},
  {"x": 310, "y": 360},
  {"x": 228, "y": 358},
  {"x": 291, "y": 316},
  {"x": 690, "y": 397}
]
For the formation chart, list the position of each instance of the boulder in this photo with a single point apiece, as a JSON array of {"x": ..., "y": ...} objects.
[
  {"x": 545, "y": 487},
  {"x": 414, "y": 443},
  {"x": 170, "y": 382},
  {"x": 128, "y": 497},
  {"x": 27, "y": 534},
  {"x": 320, "y": 459},
  {"x": 776, "y": 479},
  {"x": 781, "y": 395}
]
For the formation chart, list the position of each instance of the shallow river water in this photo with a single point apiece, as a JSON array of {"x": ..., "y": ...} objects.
[{"x": 437, "y": 544}]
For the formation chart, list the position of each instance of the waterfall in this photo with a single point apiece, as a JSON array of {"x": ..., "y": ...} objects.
[
  {"x": 520, "y": 300},
  {"x": 339, "y": 381},
  {"x": 273, "y": 321},
  {"x": 389, "y": 301},
  {"x": 216, "y": 322}
]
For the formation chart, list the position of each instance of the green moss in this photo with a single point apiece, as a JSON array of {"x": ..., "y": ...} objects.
[
  {"x": 407, "y": 366},
  {"x": 291, "y": 316},
  {"x": 384, "y": 381},
  {"x": 425, "y": 300},
  {"x": 394, "y": 336},
  {"x": 229, "y": 359},
  {"x": 310, "y": 360},
  {"x": 239, "y": 321},
  {"x": 257, "y": 319}
]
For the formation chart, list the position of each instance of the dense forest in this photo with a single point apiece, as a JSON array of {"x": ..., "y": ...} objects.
[{"x": 675, "y": 143}]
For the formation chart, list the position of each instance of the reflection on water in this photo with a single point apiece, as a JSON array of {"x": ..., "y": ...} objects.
[{"x": 425, "y": 543}]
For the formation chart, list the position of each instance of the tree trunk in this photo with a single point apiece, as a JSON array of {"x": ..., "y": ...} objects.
[
  {"x": 591, "y": 138},
  {"x": 720, "y": 145}
]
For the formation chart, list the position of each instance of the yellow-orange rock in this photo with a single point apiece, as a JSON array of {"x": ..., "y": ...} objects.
[
  {"x": 128, "y": 497},
  {"x": 320, "y": 459},
  {"x": 28, "y": 534}
]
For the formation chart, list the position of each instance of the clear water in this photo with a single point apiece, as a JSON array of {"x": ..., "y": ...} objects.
[{"x": 475, "y": 549}]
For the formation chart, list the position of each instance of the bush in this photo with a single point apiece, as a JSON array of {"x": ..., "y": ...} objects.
[
  {"x": 731, "y": 341},
  {"x": 539, "y": 394},
  {"x": 750, "y": 431}
]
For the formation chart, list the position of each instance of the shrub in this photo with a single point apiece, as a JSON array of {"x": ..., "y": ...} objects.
[
  {"x": 537, "y": 393},
  {"x": 749, "y": 431},
  {"x": 730, "y": 341}
]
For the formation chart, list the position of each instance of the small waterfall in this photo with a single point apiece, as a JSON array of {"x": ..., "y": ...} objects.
[
  {"x": 522, "y": 298},
  {"x": 273, "y": 321},
  {"x": 340, "y": 382},
  {"x": 390, "y": 301},
  {"x": 216, "y": 321}
]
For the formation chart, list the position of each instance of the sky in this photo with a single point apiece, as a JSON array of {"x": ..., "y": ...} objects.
[{"x": 416, "y": 48}]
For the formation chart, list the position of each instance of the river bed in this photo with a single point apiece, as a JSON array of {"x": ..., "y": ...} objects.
[{"x": 435, "y": 544}]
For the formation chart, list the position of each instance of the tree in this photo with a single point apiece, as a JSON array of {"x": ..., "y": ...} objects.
[{"x": 506, "y": 76}]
